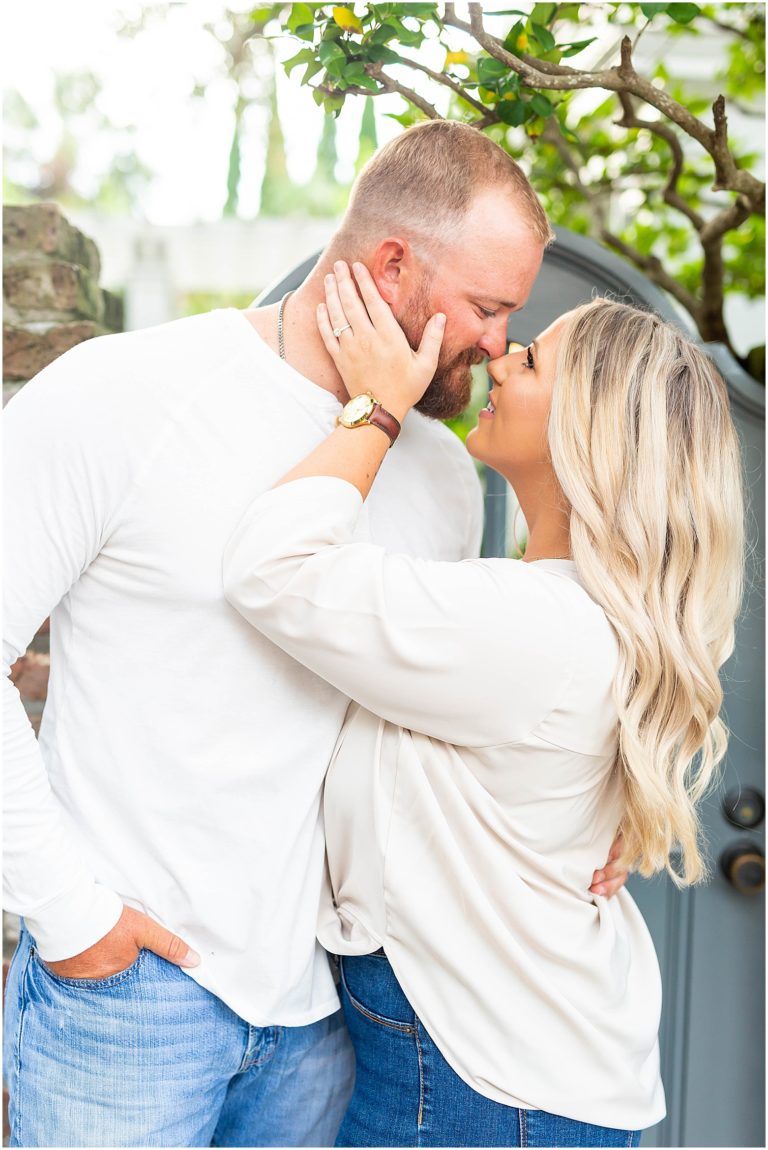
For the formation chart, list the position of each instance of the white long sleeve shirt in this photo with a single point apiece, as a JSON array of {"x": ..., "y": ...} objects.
[
  {"x": 181, "y": 755},
  {"x": 471, "y": 795}
]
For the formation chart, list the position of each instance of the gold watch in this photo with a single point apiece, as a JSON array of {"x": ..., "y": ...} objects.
[{"x": 365, "y": 408}]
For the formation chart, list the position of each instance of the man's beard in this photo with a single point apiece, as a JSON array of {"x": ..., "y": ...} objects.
[{"x": 451, "y": 387}]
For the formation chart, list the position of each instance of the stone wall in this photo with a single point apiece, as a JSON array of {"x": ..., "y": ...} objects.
[{"x": 51, "y": 294}]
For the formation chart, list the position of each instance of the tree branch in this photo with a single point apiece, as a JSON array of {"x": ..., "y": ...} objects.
[
  {"x": 442, "y": 78},
  {"x": 654, "y": 269},
  {"x": 664, "y": 132},
  {"x": 709, "y": 230},
  {"x": 528, "y": 68},
  {"x": 392, "y": 85},
  {"x": 621, "y": 78},
  {"x": 352, "y": 90},
  {"x": 725, "y": 221},
  {"x": 704, "y": 305},
  {"x": 711, "y": 322},
  {"x": 650, "y": 264}
]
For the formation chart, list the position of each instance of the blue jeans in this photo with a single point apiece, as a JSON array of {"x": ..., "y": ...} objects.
[
  {"x": 147, "y": 1057},
  {"x": 406, "y": 1094}
]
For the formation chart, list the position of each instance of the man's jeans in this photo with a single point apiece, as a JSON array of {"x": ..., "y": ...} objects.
[
  {"x": 406, "y": 1094},
  {"x": 149, "y": 1058}
]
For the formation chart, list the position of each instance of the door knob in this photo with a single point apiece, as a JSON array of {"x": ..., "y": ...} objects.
[
  {"x": 743, "y": 864},
  {"x": 744, "y": 807}
]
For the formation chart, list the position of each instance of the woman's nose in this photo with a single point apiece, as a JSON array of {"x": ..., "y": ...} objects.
[
  {"x": 495, "y": 370},
  {"x": 494, "y": 342}
]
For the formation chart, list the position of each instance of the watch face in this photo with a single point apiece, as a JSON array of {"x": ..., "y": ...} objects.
[{"x": 358, "y": 409}]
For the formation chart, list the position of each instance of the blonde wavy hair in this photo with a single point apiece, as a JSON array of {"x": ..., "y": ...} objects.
[{"x": 644, "y": 448}]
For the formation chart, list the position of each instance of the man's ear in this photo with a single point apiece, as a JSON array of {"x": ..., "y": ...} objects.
[{"x": 392, "y": 269}]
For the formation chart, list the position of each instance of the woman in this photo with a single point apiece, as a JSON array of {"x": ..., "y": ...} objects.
[{"x": 508, "y": 717}]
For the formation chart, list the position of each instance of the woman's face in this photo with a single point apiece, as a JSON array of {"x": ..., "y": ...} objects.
[{"x": 511, "y": 433}]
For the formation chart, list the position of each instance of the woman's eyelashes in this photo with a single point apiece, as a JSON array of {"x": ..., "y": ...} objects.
[{"x": 529, "y": 357}]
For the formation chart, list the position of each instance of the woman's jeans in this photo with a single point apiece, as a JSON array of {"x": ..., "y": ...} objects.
[
  {"x": 406, "y": 1094},
  {"x": 147, "y": 1057}
]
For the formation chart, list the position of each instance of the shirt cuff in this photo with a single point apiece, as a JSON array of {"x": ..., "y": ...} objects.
[{"x": 75, "y": 921}]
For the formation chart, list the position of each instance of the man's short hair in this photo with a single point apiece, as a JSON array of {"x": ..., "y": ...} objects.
[{"x": 424, "y": 181}]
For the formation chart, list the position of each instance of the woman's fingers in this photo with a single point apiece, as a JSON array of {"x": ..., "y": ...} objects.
[
  {"x": 326, "y": 332},
  {"x": 378, "y": 308},
  {"x": 343, "y": 300},
  {"x": 611, "y": 883},
  {"x": 611, "y": 877},
  {"x": 336, "y": 312},
  {"x": 352, "y": 304},
  {"x": 431, "y": 342}
]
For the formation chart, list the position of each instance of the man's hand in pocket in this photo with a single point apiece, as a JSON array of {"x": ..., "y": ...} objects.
[{"x": 119, "y": 949}]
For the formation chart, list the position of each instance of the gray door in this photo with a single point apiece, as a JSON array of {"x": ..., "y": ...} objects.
[{"x": 710, "y": 940}]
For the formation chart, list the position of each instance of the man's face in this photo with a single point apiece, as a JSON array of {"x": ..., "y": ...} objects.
[{"x": 479, "y": 280}]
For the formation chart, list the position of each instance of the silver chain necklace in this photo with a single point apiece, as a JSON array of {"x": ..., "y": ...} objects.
[{"x": 280, "y": 332}]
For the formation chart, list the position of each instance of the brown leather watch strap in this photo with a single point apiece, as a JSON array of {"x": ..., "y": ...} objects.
[{"x": 384, "y": 419}]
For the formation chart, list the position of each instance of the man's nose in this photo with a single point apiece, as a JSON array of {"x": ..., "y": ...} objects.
[{"x": 494, "y": 340}]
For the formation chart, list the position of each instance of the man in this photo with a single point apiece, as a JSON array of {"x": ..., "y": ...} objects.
[{"x": 163, "y": 840}]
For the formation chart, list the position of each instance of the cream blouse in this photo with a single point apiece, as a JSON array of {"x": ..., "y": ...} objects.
[{"x": 471, "y": 795}]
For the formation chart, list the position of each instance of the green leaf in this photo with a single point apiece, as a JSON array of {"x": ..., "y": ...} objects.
[
  {"x": 407, "y": 118},
  {"x": 409, "y": 37},
  {"x": 368, "y": 82},
  {"x": 334, "y": 103},
  {"x": 651, "y": 10},
  {"x": 381, "y": 35},
  {"x": 568, "y": 12},
  {"x": 328, "y": 51},
  {"x": 380, "y": 54},
  {"x": 683, "y": 13},
  {"x": 568, "y": 135},
  {"x": 354, "y": 72},
  {"x": 544, "y": 37},
  {"x": 489, "y": 69},
  {"x": 513, "y": 35},
  {"x": 305, "y": 32},
  {"x": 541, "y": 105},
  {"x": 534, "y": 127},
  {"x": 543, "y": 13},
  {"x": 336, "y": 67},
  {"x": 510, "y": 84},
  {"x": 312, "y": 70},
  {"x": 299, "y": 14},
  {"x": 514, "y": 112},
  {"x": 576, "y": 46},
  {"x": 302, "y": 57},
  {"x": 419, "y": 11}
]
